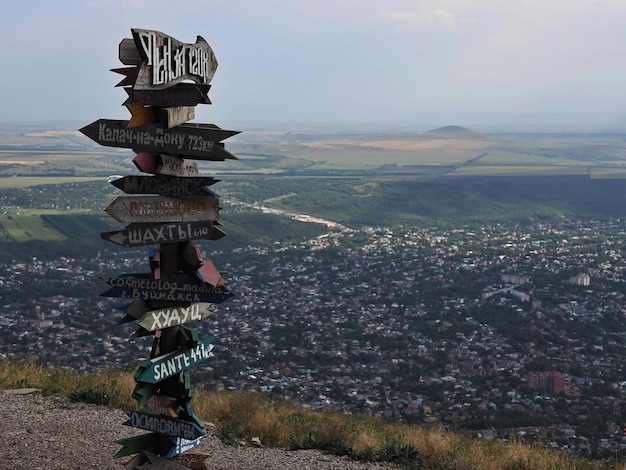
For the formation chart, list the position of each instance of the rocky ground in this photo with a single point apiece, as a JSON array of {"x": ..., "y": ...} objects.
[{"x": 51, "y": 433}]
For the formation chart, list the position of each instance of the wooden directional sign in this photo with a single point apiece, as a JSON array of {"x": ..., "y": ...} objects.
[
  {"x": 192, "y": 460},
  {"x": 183, "y": 94},
  {"x": 162, "y": 209},
  {"x": 150, "y": 234},
  {"x": 174, "y": 316},
  {"x": 178, "y": 290},
  {"x": 166, "y": 61},
  {"x": 165, "y": 185},
  {"x": 165, "y": 165},
  {"x": 168, "y": 365},
  {"x": 199, "y": 141},
  {"x": 163, "y": 425},
  {"x": 180, "y": 445}
]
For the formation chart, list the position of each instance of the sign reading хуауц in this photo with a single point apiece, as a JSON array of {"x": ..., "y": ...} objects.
[{"x": 166, "y": 210}]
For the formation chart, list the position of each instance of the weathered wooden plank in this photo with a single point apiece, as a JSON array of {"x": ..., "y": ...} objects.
[
  {"x": 164, "y": 209},
  {"x": 128, "y": 53},
  {"x": 184, "y": 289},
  {"x": 165, "y": 185},
  {"x": 168, "y": 365},
  {"x": 165, "y": 165},
  {"x": 183, "y": 94},
  {"x": 150, "y": 461},
  {"x": 163, "y": 425},
  {"x": 198, "y": 141},
  {"x": 176, "y": 115},
  {"x": 149, "y": 234},
  {"x": 167, "y": 61},
  {"x": 162, "y": 405},
  {"x": 141, "y": 115},
  {"x": 174, "y": 316},
  {"x": 192, "y": 460}
]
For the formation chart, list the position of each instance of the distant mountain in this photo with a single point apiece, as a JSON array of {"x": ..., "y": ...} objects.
[{"x": 454, "y": 132}]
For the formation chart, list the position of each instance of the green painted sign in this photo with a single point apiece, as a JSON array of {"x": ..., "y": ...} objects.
[{"x": 168, "y": 365}]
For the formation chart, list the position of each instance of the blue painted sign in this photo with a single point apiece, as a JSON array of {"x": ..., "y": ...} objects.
[{"x": 163, "y": 425}]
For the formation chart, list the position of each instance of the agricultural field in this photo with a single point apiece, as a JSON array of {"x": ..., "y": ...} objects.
[{"x": 53, "y": 184}]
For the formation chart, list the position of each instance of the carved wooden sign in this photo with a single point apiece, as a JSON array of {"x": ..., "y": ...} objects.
[
  {"x": 164, "y": 61},
  {"x": 146, "y": 209},
  {"x": 200, "y": 141}
]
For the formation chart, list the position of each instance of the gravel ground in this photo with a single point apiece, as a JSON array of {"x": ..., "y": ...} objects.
[{"x": 51, "y": 433}]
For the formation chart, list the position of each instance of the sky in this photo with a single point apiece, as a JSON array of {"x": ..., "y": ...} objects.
[{"x": 335, "y": 61}]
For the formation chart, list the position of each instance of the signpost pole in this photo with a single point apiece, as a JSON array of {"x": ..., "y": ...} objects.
[{"x": 167, "y": 211}]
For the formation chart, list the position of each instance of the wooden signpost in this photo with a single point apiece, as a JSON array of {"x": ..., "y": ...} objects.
[
  {"x": 164, "y": 318},
  {"x": 150, "y": 234},
  {"x": 200, "y": 141},
  {"x": 160, "y": 209},
  {"x": 164, "y": 185},
  {"x": 164, "y": 80}
]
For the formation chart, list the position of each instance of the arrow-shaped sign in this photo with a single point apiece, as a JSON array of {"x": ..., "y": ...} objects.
[
  {"x": 150, "y": 234},
  {"x": 168, "y": 365},
  {"x": 183, "y": 289},
  {"x": 199, "y": 141},
  {"x": 164, "y": 209},
  {"x": 183, "y": 94},
  {"x": 174, "y": 316},
  {"x": 130, "y": 75},
  {"x": 163, "y": 425},
  {"x": 165, "y": 185},
  {"x": 165, "y": 165}
]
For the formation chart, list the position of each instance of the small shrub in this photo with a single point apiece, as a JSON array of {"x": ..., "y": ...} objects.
[{"x": 98, "y": 395}]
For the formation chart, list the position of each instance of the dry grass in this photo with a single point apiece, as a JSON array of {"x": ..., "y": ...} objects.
[{"x": 241, "y": 416}]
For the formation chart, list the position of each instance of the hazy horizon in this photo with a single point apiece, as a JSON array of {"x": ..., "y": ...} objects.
[{"x": 426, "y": 64}]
